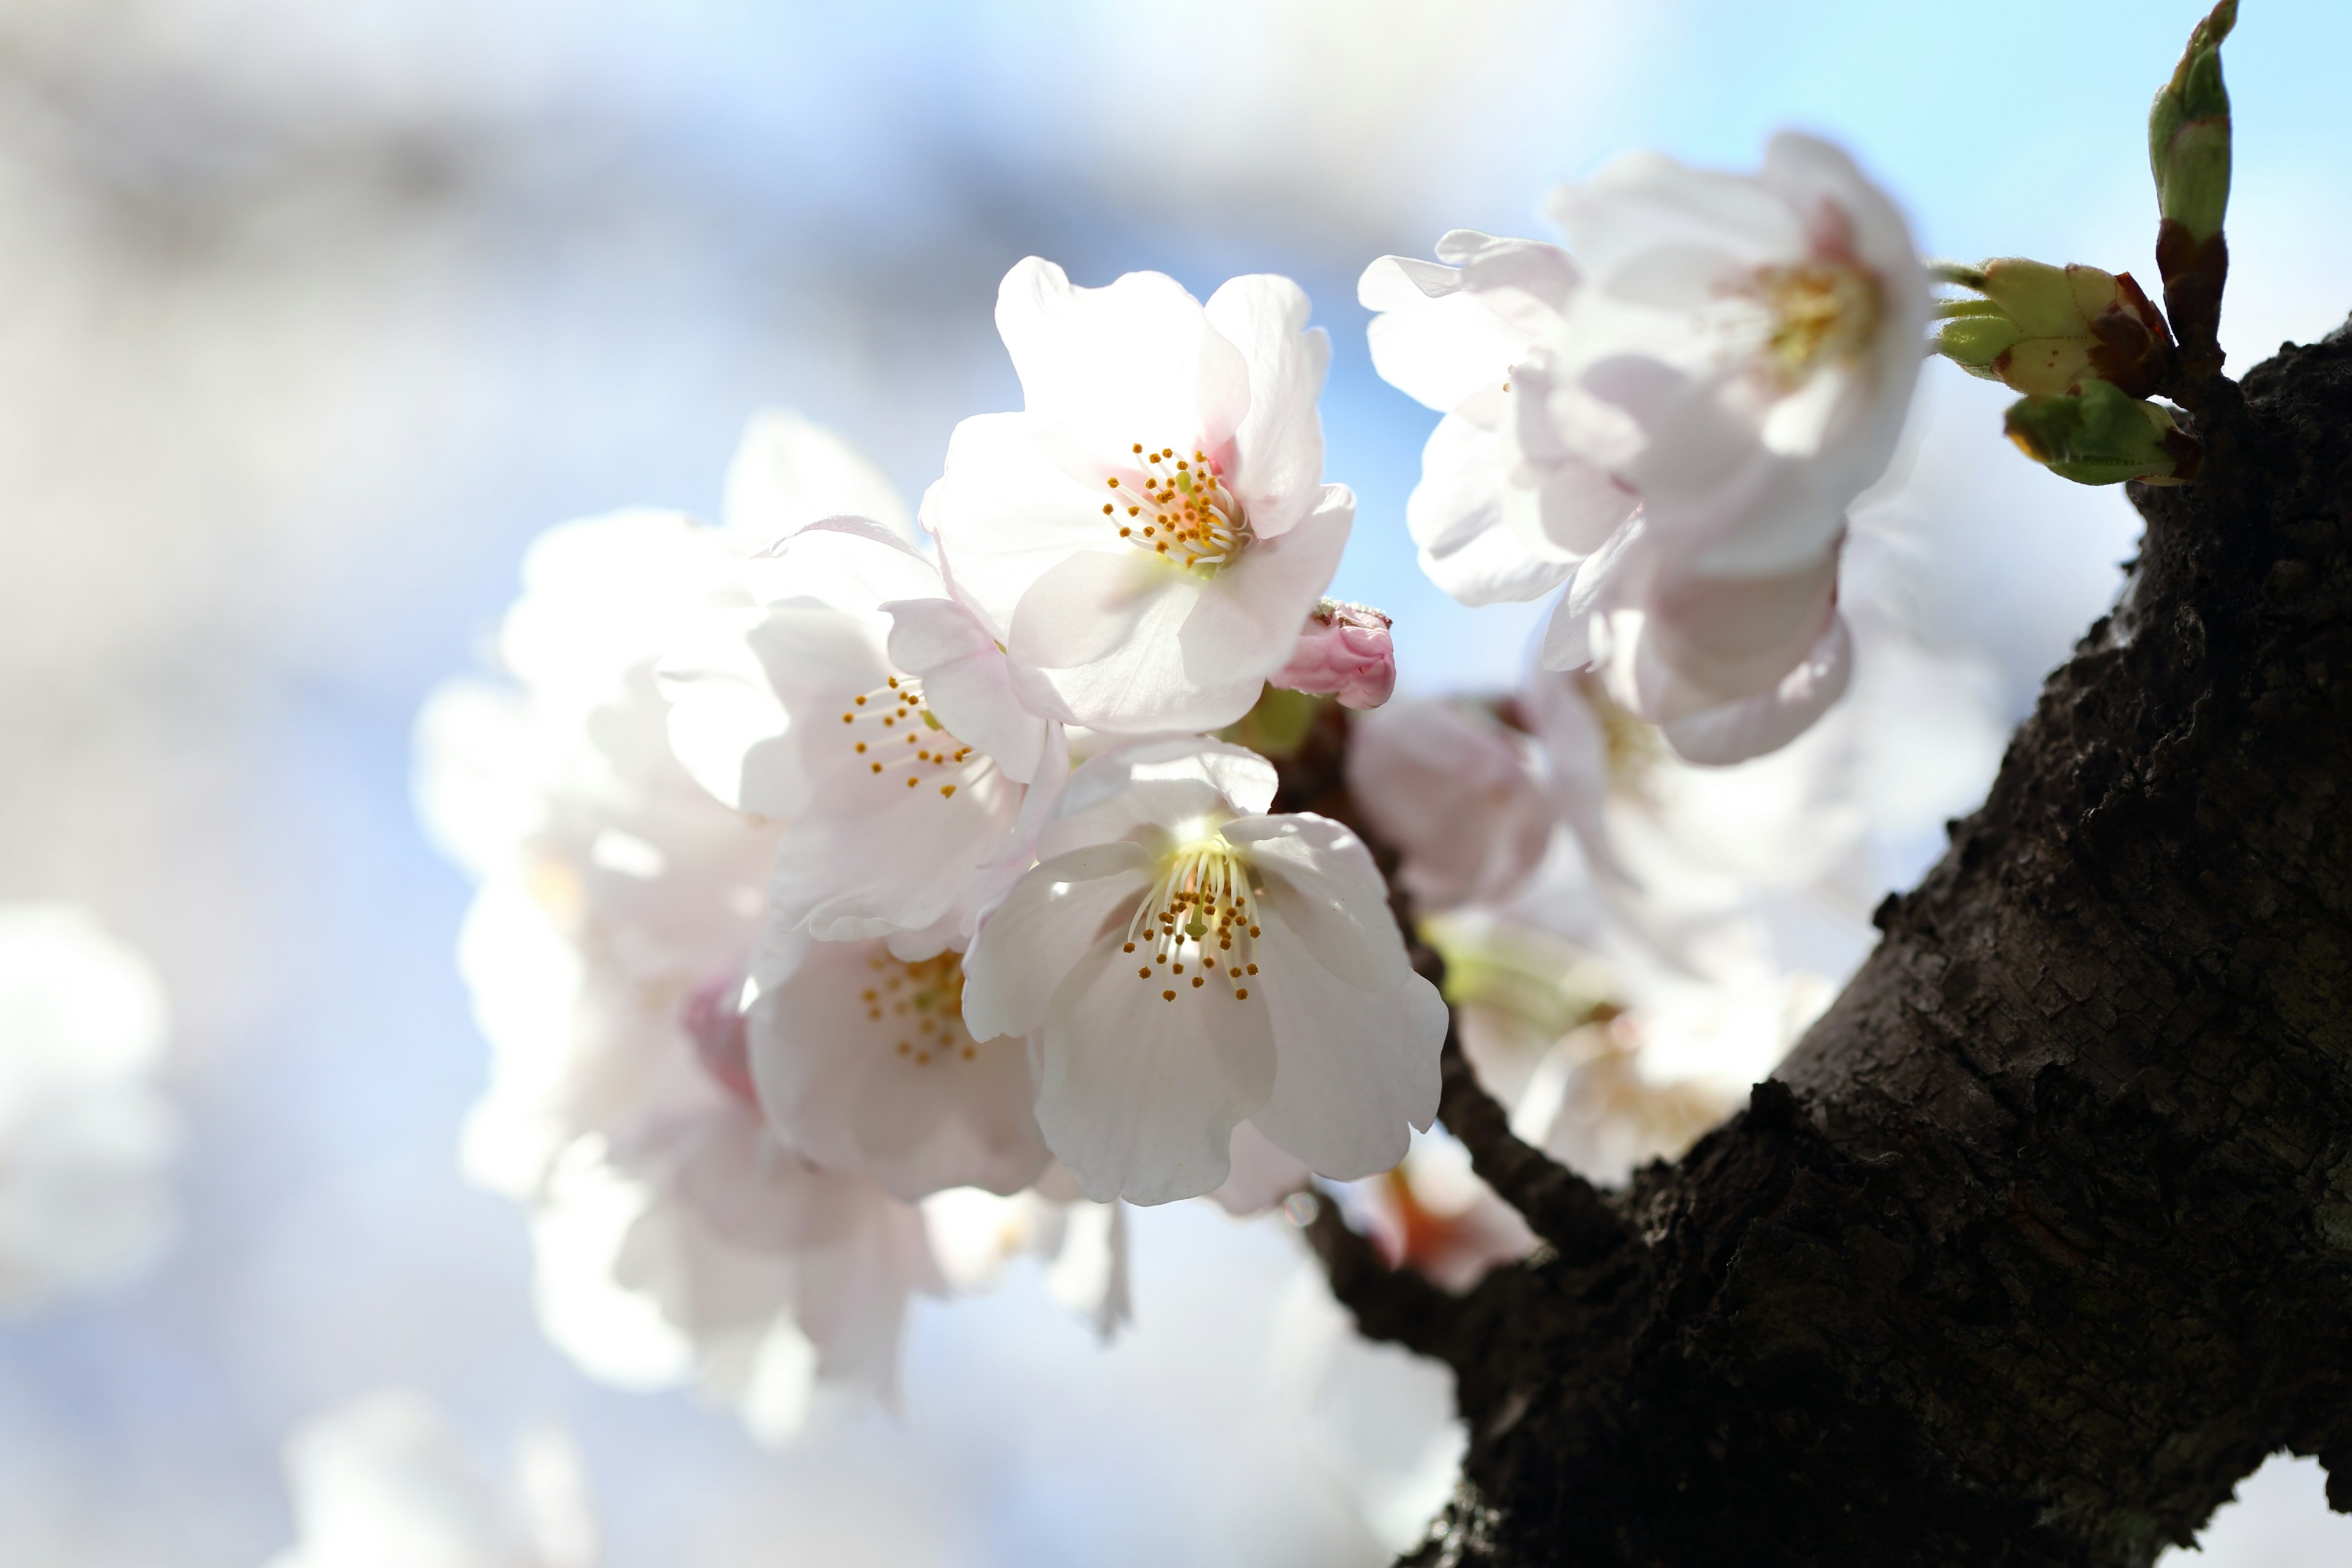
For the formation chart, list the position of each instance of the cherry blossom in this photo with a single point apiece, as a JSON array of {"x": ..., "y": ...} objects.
[
  {"x": 1506, "y": 506},
  {"x": 87, "y": 1138},
  {"x": 1184, "y": 963},
  {"x": 862, "y": 1063},
  {"x": 677, "y": 1238},
  {"x": 1457, "y": 795},
  {"x": 1734, "y": 353},
  {"x": 1147, "y": 536},
  {"x": 874, "y": 716},
  {"x": 387, "y": 1482}
]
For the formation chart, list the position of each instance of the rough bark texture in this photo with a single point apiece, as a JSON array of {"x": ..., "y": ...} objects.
[{"x": 2042, "y": 1237}]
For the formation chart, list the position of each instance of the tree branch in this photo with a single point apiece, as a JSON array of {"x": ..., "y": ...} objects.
[{"x": 2042, "y": 1236}]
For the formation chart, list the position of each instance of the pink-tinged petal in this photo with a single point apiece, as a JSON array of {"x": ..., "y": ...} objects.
[
  {"x": 1456, "y": 794},
  {"x": 966, "y": 683},
  {"x": 1134, "y": 360},
  {"x": 789, "y": 472},
  {"x": 1702, "y": 641},
  {"x": 1005, "y": 515},
  {"x": 1261, "y": 1174},
  {"x": 864, "y": 1071},
  {"x": 877, "y": 855},
  {"x": 1140, "y": 1091},
  {"x": 1246, "y": 620},
  {"x": 1766, "y": 722},
  {"x": 1277, "y": 468},
  {"x": 1332, "y": 899},
  {"x": 1344, "y": 651},
  {"x": 1457, "y": 518},
  {"x": 1355, "y": 1067},
  {"x": 1052, "y": 915}
]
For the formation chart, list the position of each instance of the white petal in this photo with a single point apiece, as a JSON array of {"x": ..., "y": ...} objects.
[
  {"x": 1095, "y": 642},
  {"x": 835, "y": 1086},
  {"x": 1052, "y": 915},
  {"x": 1139, "y": 1094},
  {"x": 1245, "y": 623},
  {"x": 735, "y": 688},
  {"x": 1356, "y": 1067},
  {"x": 1089, "y": 1275},
  {"x": 1765, "y": 722},
  {"x": 1331, "y": 895},
  {"x": 852, "y": 565},
  {"x": 1005, "y": 515},
  {"x": 966, "y": 682},
  {"x": 1277, "y": 464},
  {"x": 873, "y": 856},
  {"x": 789, "y": 472},
  {"x": 1261, "y": 1174},
  {"x": 1135, "y": 361},
  {"x": 1146, "y": 786},
  {"x": 1456, "y": 516}
]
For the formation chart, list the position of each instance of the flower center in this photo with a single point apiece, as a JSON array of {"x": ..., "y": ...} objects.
[
  {"x": 1824, "y": 308},
  {"x": 924, "y": 1000},
  {"x": 904, "y": 747},
  {"x": 1194, "y": 926},
  {"x": 1181, "y": 510}
]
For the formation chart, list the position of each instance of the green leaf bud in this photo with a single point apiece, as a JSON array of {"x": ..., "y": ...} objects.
[{"x": 2101, "y": 434}]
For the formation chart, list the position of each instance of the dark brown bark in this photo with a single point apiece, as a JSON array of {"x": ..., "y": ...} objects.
[{"x": 2042, "y": 1237}]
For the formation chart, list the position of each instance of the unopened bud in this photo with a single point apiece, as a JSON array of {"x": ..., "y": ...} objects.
[
  {"x": 2104, "y": 436},
  {"x": 2044, "y": 329},
  {"x": 2189, "y": 131},
  {"x": 1344, "y": 651}
]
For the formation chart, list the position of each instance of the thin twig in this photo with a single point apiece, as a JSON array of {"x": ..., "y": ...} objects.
[
  {"x": 1559, "y": 1206},
  {"x": 1398, "y": 1305}
]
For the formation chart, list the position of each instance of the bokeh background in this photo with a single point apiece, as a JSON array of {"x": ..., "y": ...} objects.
[{"x": 312, "y": 314}]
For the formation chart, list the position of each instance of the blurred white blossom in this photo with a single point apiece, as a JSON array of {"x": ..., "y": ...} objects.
[
  {"x": 387, "y": 1482},
  {"x": 87, "y": 1137}
]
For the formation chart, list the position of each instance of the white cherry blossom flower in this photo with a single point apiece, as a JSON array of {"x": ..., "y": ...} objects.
[
  {"x": 386, "y": 1482},
  {"x": 1455, "y": 794},
  {"x": 87, "y": 1138},
  {"x": 1744, "y": 347},
  {"x": 1184, "y": 963},
  {"x": 863, "y": 1064},
  {"x": 677, "y": 1238},
  {"x": 1735, "y": 354},
  {"x": 1505, "y": 508},
  {"x": 1147, "y": 536},
  {"x": 874, "y": 716}
]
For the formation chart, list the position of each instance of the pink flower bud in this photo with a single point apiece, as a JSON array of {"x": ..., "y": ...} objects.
[
  {"x": 714, "y": 1021},
  {"x": 1343, "y": 651}
]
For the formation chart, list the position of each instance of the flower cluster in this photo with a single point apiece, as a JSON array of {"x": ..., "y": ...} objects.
[
  {"x": 864, "y": 904},
  {"x": 1671, "y": 420},
  {"x": 856, "y": 904}
]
